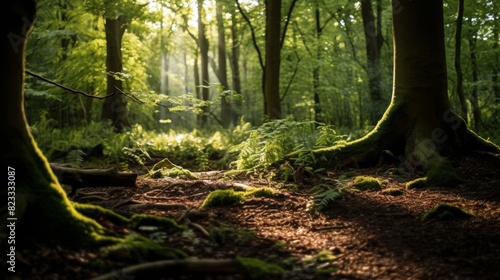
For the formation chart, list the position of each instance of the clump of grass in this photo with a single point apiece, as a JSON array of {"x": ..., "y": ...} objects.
[
  {"x": 446, "y": 211},
  {"x": 367, "y": 183}
]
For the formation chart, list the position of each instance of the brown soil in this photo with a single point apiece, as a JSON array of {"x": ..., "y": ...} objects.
[{"x": 371, "y": 234}]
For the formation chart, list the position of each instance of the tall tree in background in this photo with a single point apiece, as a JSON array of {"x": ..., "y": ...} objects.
[
  {"x": 203, "y": 45},
  {"x": 235, "y": 68},
  {"x": 272, "y": 101},
  {"x": 115, "y": 107},
  {"x": 458, "y": 61},
  {"x": 372, "y": 28},
  {"x": 222, "y": 65},
  {"x": 418, "y": 125}
]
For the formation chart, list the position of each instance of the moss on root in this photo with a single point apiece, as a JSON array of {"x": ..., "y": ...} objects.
[
  {"x": 94, "y": 211},
  {"x": 166, "y": 224},
  {"x": 396, "y": 134},
  {"x": 418, "y": 183},
  {"x": 260, "y": 192},
  {"x": 367, "y": 183},
  {"x": 139, "y": 248},
  {"x": 258, "y": 269},
  {"x": 47, "y": 206},
  {"x": 221, "y": 198},
  {"x": 442, "y": 174},
  {"x": 446, "y": 211},
  {"x": 393, "y": 191}
]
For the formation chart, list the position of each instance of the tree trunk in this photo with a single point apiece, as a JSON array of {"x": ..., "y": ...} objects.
[
  {"x": 225, "y": 109},
  {"x": 474, "y": 100},
  {"x": 317, "y": 67},
  {"x": 115, "y": 107},
  {"x": 273, "y": 52},
  {"x": 203, "y": 44},
  {"x": 418, "y": 127},
  {"x": 235, "y": 69},
  {"x": 373, "y": 41},
  {"x": 36, "y": 200},
  {"x": 458, "y": 64}
]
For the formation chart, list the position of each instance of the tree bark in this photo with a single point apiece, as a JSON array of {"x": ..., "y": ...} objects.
[
  {"x": 317, "y": 68},
  {"x": 373, "y": 41},
  {"x": 203, "y": 44},
  {"x": 115, "y": 107},
  {"x": 235, "y": 69},
  {"x": 222, "y": 69},
  {"x": 474, "y": 100},
  {"x": 273, "y": 52},
  {"x": 458, "y": 61}
]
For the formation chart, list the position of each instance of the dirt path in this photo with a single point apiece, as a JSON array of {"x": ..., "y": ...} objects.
[{"x": 371, "y": 235}]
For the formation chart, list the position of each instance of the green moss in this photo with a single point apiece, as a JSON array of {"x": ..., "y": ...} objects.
[
  {"x": 43, "y": 205},
  {"x": 258, "y": 269},
  {"x": 367, "y": 183},
  {"x": 260, "y": 192},
  {"x": 223, "y": 198},
  {"x": 94, "y": 211},
  {"x": 393, "y": 191},
  {"x": 179, "y": 172},
  {"x": 443, "y": 175},
  {"x": 138, "y": 248},
  {"x": 173, "y": 172},
  {"x": 324, "y": 256},
  {"x": 138, "y": 220},
  {"x": 446, "y": 212},
  {"x": 419, "y": 183}
]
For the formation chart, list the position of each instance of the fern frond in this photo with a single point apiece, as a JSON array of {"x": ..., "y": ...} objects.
[{"x": 325, "y": 199}]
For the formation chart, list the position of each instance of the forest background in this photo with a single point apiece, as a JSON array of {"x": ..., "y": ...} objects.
[{"x": 198, "y": 81}]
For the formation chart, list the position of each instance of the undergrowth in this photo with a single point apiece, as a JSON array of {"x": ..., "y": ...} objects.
[
  {"x": 242, "y": 147},
  {"x": 195, "y": 149}
]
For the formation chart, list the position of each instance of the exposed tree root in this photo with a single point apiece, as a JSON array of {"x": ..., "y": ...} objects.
[
  {"x": 175, "y": 267},
  {"x": 398, "y": 138}
]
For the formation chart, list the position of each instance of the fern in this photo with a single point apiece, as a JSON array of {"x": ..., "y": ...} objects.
[
  {"x": 75, "y": 158},
  {"x": 273, "y": 140},
  {"x": 326, "y": 194},
  {"x": 325, "y": 199},
  {"x": 137, "y": 154}
]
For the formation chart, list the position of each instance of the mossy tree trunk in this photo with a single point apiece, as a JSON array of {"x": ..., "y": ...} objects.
[
  {"x": 40, "y": 206},
  {"x": 418, "y": 127}
]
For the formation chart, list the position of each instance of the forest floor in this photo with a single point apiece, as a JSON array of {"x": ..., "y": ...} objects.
[{"x": 371, "y": 235}]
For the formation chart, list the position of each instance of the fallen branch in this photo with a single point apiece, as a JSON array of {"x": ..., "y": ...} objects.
[
  {"x": 167, "y": 268},
  {"x": 81, "y": 178}
]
